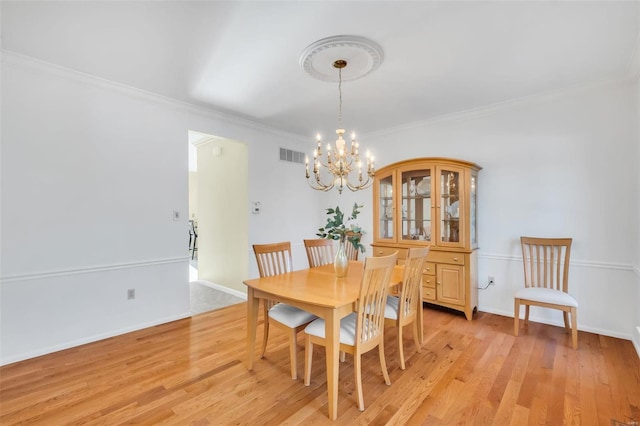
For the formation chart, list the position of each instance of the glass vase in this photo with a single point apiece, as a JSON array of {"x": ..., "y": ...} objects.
[{"x": 341, "y": 261}]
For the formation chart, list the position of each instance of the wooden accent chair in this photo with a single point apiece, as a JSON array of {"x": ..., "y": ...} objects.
[
  {"x": 276, "y": 259},
  {"x": 362, "y": 330},
  {"x": 403, "y": 310},
  {"x": 319, "y": 251},
  {"x": 546, "y": 280}
]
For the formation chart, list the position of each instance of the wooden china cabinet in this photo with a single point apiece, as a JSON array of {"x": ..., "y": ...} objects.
[{"x": 432, "y": 202}]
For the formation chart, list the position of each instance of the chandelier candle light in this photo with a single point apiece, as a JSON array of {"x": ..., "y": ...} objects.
[{"x": 341, "y": 162}]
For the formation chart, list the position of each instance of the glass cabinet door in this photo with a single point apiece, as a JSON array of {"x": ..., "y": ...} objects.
[
  {"x": 449, "y": 209},
  {"x": 473, "y": 216},
  {"x": 416, "y": 205},
  {"x": 386, "y": 208}
]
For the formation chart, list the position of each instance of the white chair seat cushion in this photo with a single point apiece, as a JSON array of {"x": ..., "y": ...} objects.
[
  {"x": 290, "y": 315},
  {"x": 546, "y": 295},
  {"x": 347, "y": 329},
  {"x": 391, "y": 309}
]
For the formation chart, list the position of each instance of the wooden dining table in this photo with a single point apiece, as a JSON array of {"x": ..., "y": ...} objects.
[{"x": 319, "y": 291}]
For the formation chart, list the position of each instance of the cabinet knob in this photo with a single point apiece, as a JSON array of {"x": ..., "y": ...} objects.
[
  {"x": 455, "y": 259},
  {"x": 380, "y": 252},
  {"x": 439, "y": 283}
]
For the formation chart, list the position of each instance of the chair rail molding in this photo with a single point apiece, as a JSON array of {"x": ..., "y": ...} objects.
[
  {"x": 90, "y": 269},
  {"x": 574, "y": 263}
]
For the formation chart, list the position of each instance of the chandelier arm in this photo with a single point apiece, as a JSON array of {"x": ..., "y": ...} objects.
[
  {"x": 319, "y": 186},
  {"x": 320, "y": 163},
  {"x": 367, "y": 183}
]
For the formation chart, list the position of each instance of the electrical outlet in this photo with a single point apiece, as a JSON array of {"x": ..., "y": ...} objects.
[
  {"x": 492, "y": 280},
  {"x": 131, "y": 293}
]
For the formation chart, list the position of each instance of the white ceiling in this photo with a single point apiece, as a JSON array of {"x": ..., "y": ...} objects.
[{"x": 242, "y": 57}]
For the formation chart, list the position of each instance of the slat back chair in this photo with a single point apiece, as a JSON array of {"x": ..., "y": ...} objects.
[
  {"x": 319, "y": 251},
  {"x": 363, "y": 330},
  {"x": 352, "y": 252},
  {"x": 403, "y": 310},
  {"x": 274, "y": 259},
  {"x": 546, "y": 280}
]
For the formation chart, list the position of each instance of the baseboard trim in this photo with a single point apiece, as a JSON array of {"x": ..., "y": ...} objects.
[
  {"x": 90, "y": 339},
  {"x": 588, "y": 329},
  {"x": 222, "y": 288},
  {"x": 90, "y": 269},
  {"x": 636, "y": 341}
]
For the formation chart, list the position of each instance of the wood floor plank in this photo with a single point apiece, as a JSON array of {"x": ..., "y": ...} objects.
[{"x": 193, "y": 372}]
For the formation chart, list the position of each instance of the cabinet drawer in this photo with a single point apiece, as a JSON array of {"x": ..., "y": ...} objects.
[
  {"x": 386, "y": 251},
  {"x": 446, "y": 257},
  {"x": 429, "y": 268},
  {"x": 428, "y": 293},
  {"x": 429, "y": 281}
]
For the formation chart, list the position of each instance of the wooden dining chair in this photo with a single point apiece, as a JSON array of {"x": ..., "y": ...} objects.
[
  {"x": 352, "y": 252},
  {"x": 360, "y": 331},
  {"x": 276, "y": 259},
  {"x": 546, "y": 281},
  {"x": 319, "y": 251},
  {"x": 403, "y": 309},
  {"x": 193, "y": 238}
]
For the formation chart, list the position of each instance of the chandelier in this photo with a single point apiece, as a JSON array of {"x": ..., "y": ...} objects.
[{"x": 340, "y": 160}]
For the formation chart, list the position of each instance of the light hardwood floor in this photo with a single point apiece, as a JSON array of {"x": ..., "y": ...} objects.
[{"x": 193, "y": 371}]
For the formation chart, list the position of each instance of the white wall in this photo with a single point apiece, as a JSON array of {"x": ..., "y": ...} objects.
[
  {"x": 91, "y": 173},
  {"x": 557, "y": 165},
  {"x": 636, "y": 335}
]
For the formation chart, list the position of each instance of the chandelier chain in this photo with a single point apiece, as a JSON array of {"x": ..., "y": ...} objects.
[{"x": 340, "y": 95}]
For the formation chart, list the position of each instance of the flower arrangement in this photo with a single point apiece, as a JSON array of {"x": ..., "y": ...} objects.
[{"x": 339, "y": 229}]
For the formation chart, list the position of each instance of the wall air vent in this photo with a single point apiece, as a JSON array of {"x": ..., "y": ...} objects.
[{"x": 291, "y": 156}]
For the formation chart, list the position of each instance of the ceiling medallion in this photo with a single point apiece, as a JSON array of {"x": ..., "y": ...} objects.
[{"x": 362, "y": 54}]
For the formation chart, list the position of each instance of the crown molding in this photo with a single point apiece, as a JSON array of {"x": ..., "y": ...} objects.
[
  {"x": 503, "y": 105},
  {"x": 18, "y": 60}
]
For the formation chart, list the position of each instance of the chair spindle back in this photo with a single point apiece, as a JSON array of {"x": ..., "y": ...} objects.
[
  {"x": 416, "y": 256},
  {"x": 546, "y": 262},
  {"x": 373, "y": 296},
  {"x": 319, "y": 251},
  {"x": 273, "y": 259},
  {"x": 352, "y": 252}
]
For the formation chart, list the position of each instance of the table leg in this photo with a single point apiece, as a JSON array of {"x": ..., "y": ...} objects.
[
  {"x": 332, "y": 332},
  {"x": 252, "y": 323}
]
